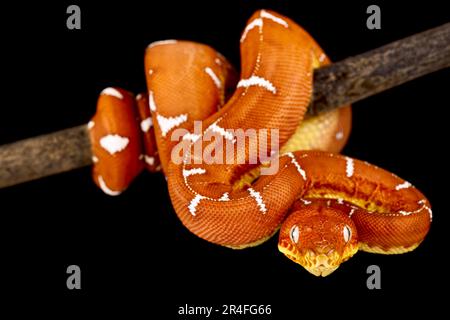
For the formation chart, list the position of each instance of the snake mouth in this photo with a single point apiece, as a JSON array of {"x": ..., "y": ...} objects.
[
  {"x": 320, "y": 265},
  {"x": 321, "y": 270},
  {"x": 289, "y": 251}
]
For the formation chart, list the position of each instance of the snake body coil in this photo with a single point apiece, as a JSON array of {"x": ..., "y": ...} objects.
[{"x": 327, "y": 205}]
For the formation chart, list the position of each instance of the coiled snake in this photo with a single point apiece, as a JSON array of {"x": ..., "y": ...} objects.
[{"x": 327, "y": 205}]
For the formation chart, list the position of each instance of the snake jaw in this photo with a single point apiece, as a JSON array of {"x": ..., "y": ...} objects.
[
  {"x": 323, "y": 265},
  {"x": 318, "y": 264}
]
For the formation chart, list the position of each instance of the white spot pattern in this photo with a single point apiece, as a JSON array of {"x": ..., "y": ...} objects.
[
  {"x": 90, "y": 124},
  {"x": 105, "y": 188},
  {"x": 215, "y": 128},
  {"x": 404, "y": 185},
  {"x": 167, "y": 124},
  {"x": 224, "y": 197},
  {"x": 259, "y": 200},
  {"x": 267, "y": 15},
  {"x": 305, "y": 202},
  {"x": 429, "y": 211},
  {"x": 190, "y": 172},
  {"x": 214, "y": 77},
  {"x": 351, "y": 212},
  {"x": 151, "y": 102},
  {"x": 424, "y": 206},
  {"x": 194, "y": 203},
  {"x": 322, "y": 57},
  {"x": 112, "y": 92},
  {"x": 258, "y": 22},
  {"x": 146, "y": 124},
  {"x": 349, "y": 167},
  {"x": 114, "y": 143},
  {"x": 161, "y": 43},
  {"x": 257, "y": 81},
  {"x": 149, "y": 160},
  {"x": 255, "y": 23},
  {"x": 297, "y": 165}
]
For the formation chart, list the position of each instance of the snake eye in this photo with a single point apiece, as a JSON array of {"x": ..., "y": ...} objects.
[
  {"x": 294, "y": 233},
  {"x": 347, "y": 232}
]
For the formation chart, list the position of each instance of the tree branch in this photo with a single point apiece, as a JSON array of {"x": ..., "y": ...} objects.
[{"x": 341, "y": 83}]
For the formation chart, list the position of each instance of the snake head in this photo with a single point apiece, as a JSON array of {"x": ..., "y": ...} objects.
[{"x": 318, "y": 235}]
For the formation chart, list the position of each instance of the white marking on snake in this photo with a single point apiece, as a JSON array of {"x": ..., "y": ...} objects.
[
  {"x": 297, "y": 165},
  {"x": 224, "y": 197},
  {"x": 339, "y": 135},
  {"x": 340, "y": 200},
  {"x": 257, "y": 81},
  {"x": 112, "y": 92},
  {"x": 351, "y": 212},
  {"x": 191, "y": 172},
  {"x": 94, "y": 159},
  {"x": 322, "y": 57},
  {"x": 217, "y": 61},
  {"x": 259, "y": 200},
  {"x": 350, "y": 167},
  {"x": 114, "y": 143},
  {"x": 149, "y": 160},
  {"x": 430, "y": 212},
  {"x": 407, "y": 213},
  {"x": 150, "y": 71},
  {"x": 139, "y": 96},
  {"x": 151, "y": 102},
  {"x": 255, "y": 23},
  {"x": 305, "y": 202},
  {"x": 214, "y": 77},
  {"x": 215, "y": 128},
  {"x": 90, "y": 124},
  {"x": 141, "y": 156},
  {"x": 167, "y": 124},
  {"x": 404, "y": 185},
  {"x": 265, "y": 14},
  {"x": 105, "y": 188},
  {"x": 191, "y": 136},
  {"x": 161, "y": 43},
  {"x": 194, "y": 203},
  {"x": 422, "y": 202},
  {"x": 146, "y": 124}
]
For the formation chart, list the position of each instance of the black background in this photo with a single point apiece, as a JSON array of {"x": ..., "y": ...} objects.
[{"x": 133, "y": 252}]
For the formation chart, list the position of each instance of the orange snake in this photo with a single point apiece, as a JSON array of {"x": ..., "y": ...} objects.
[{"x": 327, "y": 205}]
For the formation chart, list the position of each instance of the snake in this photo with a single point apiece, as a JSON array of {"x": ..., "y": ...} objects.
[{"x": 326, "y": 206}]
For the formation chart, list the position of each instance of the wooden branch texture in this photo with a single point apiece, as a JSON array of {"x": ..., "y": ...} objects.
[
  {"x": 341, "y": 83},
  {"x": 44, "y": 155},
  {"x": 359, "y": 77}
]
